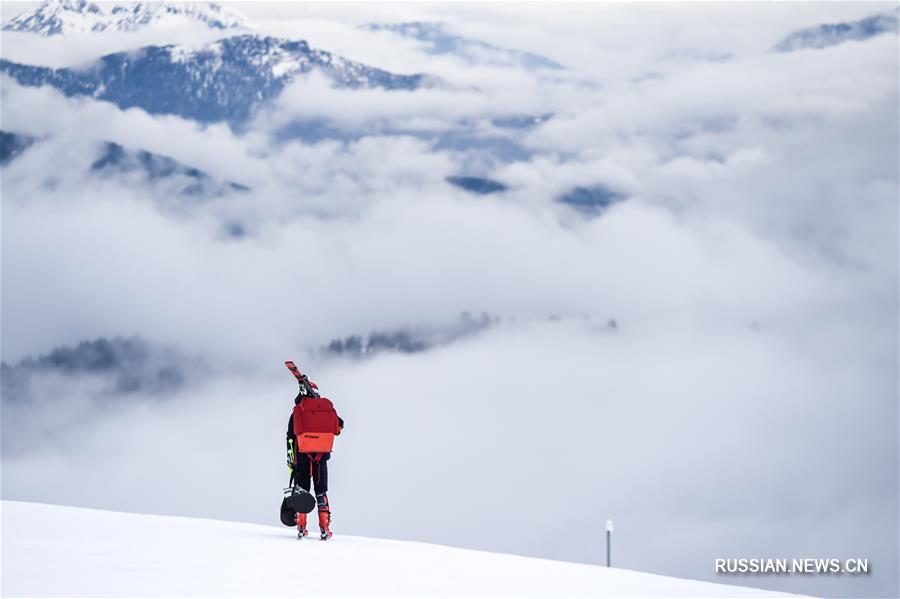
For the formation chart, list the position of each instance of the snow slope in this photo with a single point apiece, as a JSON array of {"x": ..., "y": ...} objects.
[{"x": 65, "y": 551}]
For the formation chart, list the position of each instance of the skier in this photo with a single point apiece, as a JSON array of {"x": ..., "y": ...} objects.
[{"x": 309, "y": 464}]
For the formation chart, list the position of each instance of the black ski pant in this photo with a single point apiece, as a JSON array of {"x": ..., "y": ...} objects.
[{"x": 308, "y": 470}]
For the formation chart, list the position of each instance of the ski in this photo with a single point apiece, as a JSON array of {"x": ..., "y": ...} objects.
[{"x": 294, "y": 370}]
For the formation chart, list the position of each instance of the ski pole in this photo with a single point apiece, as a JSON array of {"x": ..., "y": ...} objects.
[{"x": 291, "y": 460}]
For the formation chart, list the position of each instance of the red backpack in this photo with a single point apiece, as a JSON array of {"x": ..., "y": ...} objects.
[{"x": 315, "y": 425}]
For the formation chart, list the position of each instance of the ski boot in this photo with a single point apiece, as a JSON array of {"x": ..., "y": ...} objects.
[
  {"x": 324, "y": 522},
  {"x": 300, "y": 519},
  {"x": 324, "y": 517}
]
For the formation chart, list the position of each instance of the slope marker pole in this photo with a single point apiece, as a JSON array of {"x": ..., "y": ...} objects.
[{"x": 609, "y": 530}]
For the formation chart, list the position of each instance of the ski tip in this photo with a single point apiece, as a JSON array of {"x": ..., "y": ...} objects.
[{"x": 293, "y": 368}]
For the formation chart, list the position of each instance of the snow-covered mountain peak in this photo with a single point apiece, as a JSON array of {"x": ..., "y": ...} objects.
[
  {"x": 277, "y": 56},
  {"x": 225, "y": 80},
  {"x": 62, "y": 17}
]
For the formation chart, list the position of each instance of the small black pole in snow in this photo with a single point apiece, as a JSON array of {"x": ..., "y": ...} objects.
[{"x": 609, "y": 529}]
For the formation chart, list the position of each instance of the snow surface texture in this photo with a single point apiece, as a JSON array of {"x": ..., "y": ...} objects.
[
  {"x": 66, "y": 17},
  {"x": 65, "y": 551}
]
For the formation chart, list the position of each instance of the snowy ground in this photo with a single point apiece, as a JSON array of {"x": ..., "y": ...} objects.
[{"x": 65, "y": 551}]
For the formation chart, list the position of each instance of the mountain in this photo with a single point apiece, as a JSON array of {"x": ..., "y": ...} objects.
[
  {"x": 100, "y": 553},
  {"x": 63, "y": 17},
  {"x": 409, "y": 340},
  {"x": 591, "y": 200},
  {"x": 832, "y": 34},
  {"x": 173, "y": 183},
  {"x": 225, "y": 80},
  {"x": 125, "y": 366},
  {"x": 439, "y": 41},
  {"x": 13, "y": 144},
  {"x": 476, "y": 185},
  {"x": 151, "y": 168},
  {"x": 521, "y": 121}
]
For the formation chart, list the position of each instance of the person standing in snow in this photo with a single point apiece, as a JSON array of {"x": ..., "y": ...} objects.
[{"x": 311, "y": 429}]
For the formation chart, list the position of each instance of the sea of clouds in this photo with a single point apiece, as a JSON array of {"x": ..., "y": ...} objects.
[{"x": 744, "y": 403}]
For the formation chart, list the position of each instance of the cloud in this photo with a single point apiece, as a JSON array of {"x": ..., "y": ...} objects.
[
  {"x": 313, "y": 97},
  {"x": 746, "y": 400},
  {"x": 80, "y": 50},
  {"x": 43, "y": 112}
]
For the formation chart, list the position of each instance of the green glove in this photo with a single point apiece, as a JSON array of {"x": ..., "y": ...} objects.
[{"x": 290, "y": 455}]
